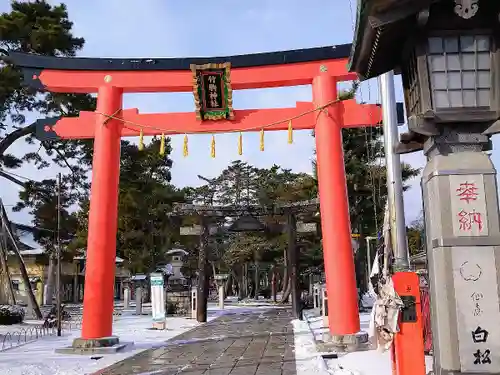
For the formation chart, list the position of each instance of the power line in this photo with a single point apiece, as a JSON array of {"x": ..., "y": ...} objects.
[{"x": 17, "y": 175}]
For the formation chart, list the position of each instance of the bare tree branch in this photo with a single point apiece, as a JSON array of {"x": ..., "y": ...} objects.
[{"x": 15, "y": 135}]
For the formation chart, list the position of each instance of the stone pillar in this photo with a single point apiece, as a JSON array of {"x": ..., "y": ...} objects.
[
  {"x": 316, "y": 295},
  {"x": 126, "y": 296},
  {"x": 75, "y": 285},
  {"x": 194, "y": 298},
  {"x": 324, "y": 302},
  {"x": 138, "y": 299},
  {"x": 463, "y": 249},
  {"x": 221, "y": 297}
]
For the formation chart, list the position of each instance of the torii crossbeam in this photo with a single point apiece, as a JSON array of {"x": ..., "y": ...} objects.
[{"x": 111, "y": 78}]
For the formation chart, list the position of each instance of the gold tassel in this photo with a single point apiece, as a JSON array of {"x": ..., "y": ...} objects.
[
  {"x": 240, "y": 144},
  {"x": 212, "y": 147},
  {"x": 141, "y": 140},
  {"x": 185, "y": 151},
  {"x": 262, "y": 140},
  {"x": 162, "y": 145},
  {"x": 290, "y": 132}
]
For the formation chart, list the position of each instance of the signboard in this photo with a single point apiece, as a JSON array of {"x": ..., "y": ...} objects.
[
  {"x": 213, "y": 96},
  {"x": 477, "y": 305},
  {"x": 195, "y": 230},
  {"x": 306, "y": 227},
  {"x": 157, "y": 297},
  {"x": 468, "y": 205},
  {"x": 221, "y": 277}
]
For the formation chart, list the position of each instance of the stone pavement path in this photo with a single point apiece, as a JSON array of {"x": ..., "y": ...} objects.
[{"x": 250, "y": 343}]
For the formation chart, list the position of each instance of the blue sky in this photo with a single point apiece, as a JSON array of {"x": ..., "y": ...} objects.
[{"x": 173, "y": 28}]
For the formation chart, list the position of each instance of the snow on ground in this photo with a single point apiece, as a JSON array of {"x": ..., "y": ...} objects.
[
  {"x": 307, "y": 359},
  {"x": 369, "y": 362},
  {"x": 39, "y": 357}
]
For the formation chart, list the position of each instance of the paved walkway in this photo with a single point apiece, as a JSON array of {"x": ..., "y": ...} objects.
[{"x": 256, "y": 343}]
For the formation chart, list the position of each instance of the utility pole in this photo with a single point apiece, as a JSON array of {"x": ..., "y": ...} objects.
[
  {"x": 399, "y": 239},
  {"x": 368, "y": 253},
  {"x": 407, "y": 352},
  {"x": 58, "y": 252}
]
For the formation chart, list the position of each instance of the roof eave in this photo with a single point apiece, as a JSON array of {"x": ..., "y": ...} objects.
[{"x": 372, "y": 25}]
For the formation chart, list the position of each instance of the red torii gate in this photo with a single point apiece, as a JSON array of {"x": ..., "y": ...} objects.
[{"x": 110, "y": 78}]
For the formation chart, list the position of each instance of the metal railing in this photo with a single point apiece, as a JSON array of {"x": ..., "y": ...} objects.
[{"x": 32, "y": 333}]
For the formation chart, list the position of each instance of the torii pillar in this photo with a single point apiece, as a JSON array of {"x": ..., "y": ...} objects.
[
  {"x": 98, "y": 299},
  {"x": 343, "y": 312}
]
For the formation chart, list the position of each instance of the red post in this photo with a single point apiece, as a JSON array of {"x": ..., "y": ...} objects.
[
  {"x": 343, "y": 313},
  {"x": 101, "y": 244},
  {"x": 408, "y": 347}
]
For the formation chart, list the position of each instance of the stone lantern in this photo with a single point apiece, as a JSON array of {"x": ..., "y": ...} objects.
[{"x": 448, "y": 54}]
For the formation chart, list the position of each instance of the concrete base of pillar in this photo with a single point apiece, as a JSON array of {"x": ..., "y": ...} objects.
[
  {"x": 346, "y": 343},
  {"x": 159, "y": 325},
  {"x": 104, "y": 345}
]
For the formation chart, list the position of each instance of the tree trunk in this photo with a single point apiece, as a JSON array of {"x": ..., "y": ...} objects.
[
  {"x": 293, "y": 259},
  {"x": 273, "y": 284},
  {"x": 22, "y": 265},
  {"x": 286, "y": 292},
  {"x": 8, "y": 290},
  {"x": 51, "y": 278},
  {"x": 284, "y": 284},
  {"x": 245, "y": 280},
  {"x": 236, "y": 281},
  {"x": 228, "y": 286},
  {"x": 256, "y": 280},
  {"x": 241, "y": 284},
  {"x": 202, "y": 288},
  {"x": 214, "y": 270}
]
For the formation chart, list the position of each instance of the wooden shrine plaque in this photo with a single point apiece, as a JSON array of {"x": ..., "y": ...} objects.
[{"x": 213, "y": 96}]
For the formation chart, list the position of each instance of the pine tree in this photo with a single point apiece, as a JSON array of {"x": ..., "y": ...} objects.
[
  {"x": 145, "y": 231},
  {"x": 38, "y": 27}
]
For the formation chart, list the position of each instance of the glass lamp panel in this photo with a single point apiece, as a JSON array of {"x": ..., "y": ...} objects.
[
  {"x": 484, "y": 60},
  {"x": 451, "y": 44},
  {"x": 469, "y": 98},
  {"x": 436, "y": 45},
  {"x": 460, "y": 71},
  {"x": 437, "y": 63},
  {"x": 456, "y": 98},
  {"x": 483, "y": 98},
  {"x": 453, "y": 61},
  {"x": 439, "y": 81},
  {"x": 454, "y": 80},
  {"x": 441, "y": 99}
]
